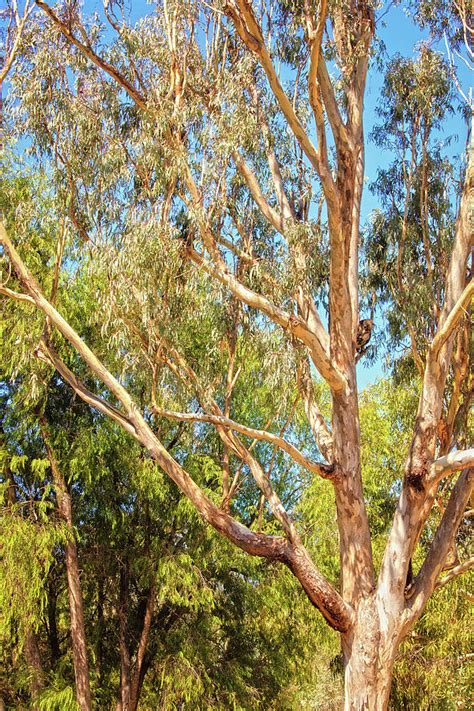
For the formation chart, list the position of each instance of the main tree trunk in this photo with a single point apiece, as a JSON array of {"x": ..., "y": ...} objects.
[{"x": 369, "y": 651}]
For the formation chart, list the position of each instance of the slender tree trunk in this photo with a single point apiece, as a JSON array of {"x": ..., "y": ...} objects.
[
  {"x": 53, "y": 637},
  {"x": 33, "y": 659},
  {"x": 78, "y": 635},
  {"x": 125, "y": 663},
  {"x": 100, "y": 630},
  {"x": 79, "y": 646},
  {"x": 138, "y": 675}
]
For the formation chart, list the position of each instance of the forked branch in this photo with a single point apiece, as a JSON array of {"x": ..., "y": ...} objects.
[{"x": 425, "y": 581}]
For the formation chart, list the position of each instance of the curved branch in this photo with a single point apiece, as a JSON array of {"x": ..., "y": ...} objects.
[
  {"x": 17, "y": 295},
  {"x": 295, "y": 325},
  {"x": 454, "y": 461},
  {"x": 323, "y": 470},
  {"x": 48, "y": 354},
  {"x": 453, "y": 318},
  {"x": 454, "y": 573}
]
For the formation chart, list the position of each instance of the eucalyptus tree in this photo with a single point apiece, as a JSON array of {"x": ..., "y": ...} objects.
[{"x": 210, "y": 165}]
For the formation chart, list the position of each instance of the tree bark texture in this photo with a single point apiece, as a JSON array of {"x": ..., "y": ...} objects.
[
  {"x": 76, "y": 611},
  {"x": 33, "y": 659}
]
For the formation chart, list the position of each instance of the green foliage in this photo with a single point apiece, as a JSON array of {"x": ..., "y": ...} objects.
[
  {"x": 433, "y": 670},
  {"x": 27, "y": 555},
  {"x": 408, "y": 239},
  {"x": 58, "y": 700}
]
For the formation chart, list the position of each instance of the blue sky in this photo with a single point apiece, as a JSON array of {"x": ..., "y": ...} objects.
[{"x": 400, "y": 36}]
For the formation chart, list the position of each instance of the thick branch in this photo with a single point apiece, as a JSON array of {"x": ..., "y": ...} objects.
[
  {"x": 416, "y": 498},
  {"x": 293, "y": 324},
  {"x": 232, "y": 529},
  {"x": 338, "y": 127},
  {"x": 319, "y": 590},
  {"x": 338, "y": 614},
  {"x": 323, "y": 470},
  {"x": 315, "y": 37},
  {"x": 453, "y": 318},
  {"x": 317, "y": 422},
  {"x": 454, "y": 461},
  {"x": 248, "y": 175},
  {"x": 425, "y": 581}
]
